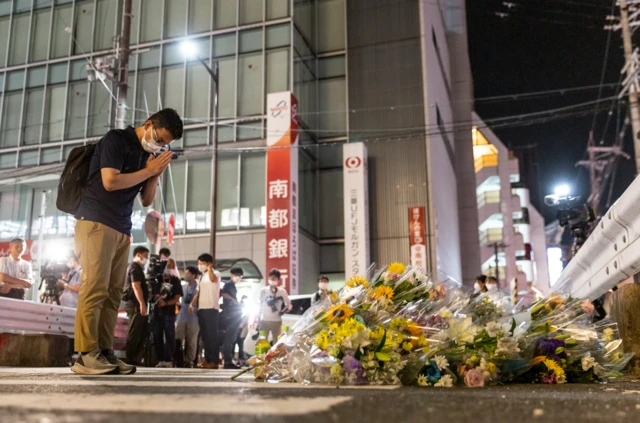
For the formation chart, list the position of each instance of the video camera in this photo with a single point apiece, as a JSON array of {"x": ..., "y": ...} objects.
[
  {"x": 174, "y": 156},
  {"x": 158, "y": 288},
  {"x": 51, "y": 273},
  {"x": 573, "y": 212}
]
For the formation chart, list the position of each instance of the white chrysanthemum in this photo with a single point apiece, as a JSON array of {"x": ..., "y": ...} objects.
[
  {"x": 588, "y": 362},
  {"x": 561, "y": 379},
  {"x": 493, "y": 329},
  {"x": 445, "y": 382},
  {"x": 507, "y": 346},
  {"x": 441, "y": 362},
  {"x": 422, "y": 380}
]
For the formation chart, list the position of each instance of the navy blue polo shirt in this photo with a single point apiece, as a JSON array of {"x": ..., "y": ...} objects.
[{"x": 121, "y": 150}]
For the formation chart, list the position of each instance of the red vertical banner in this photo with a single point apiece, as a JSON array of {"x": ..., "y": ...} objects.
[
  {"x": 171, "y": 228},
  {"x": 282, "y": 188},
  {"x": 417, "y": 237}
]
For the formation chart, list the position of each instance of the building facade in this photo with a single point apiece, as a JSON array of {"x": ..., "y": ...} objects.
[
  {"x": 392, "y": 74},
  {"x": 511, "y": 230}
]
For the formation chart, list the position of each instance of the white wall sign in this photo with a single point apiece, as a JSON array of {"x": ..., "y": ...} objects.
[{"x": 356, "y": 209}]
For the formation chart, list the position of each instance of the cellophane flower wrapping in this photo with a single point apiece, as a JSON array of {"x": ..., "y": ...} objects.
[{"x": 400, "y": 325}]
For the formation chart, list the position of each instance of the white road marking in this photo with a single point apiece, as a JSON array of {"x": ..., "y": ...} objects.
[
  {"x": 160, "y": 403},
  {"x": 130, "y": 381}
]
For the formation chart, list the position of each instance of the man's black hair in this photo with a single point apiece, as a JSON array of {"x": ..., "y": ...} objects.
[
  {"x": 206, "y": 257},
  {"x": 237, "y": 271},
  {"x": 481, "y": 278},
  {"x": 169, "y": 120},
  {"x": 193, "y": 270},
  {"x": 323, "y": 277},
  {"x": 275, "y": 272},
  {"x": 140, "y": 250},
  {"x": 165, "y": 252}
]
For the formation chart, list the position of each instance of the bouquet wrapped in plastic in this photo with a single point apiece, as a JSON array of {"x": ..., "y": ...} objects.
[{"x": 402, "y": 326}]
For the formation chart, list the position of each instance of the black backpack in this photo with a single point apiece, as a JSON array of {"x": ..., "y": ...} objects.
[{"x": 75, "y": 178}]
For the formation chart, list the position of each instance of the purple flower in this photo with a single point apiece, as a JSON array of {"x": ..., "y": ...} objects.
[
  {"x": 548, "y": 347},
  {"x": 549, "y": 379},
  {"x": 354, "y": 371}
]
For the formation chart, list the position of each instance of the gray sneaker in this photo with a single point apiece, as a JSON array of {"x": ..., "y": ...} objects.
[
  {"x": 124, "y": 368},
  {"x": 93, "y": 363}
]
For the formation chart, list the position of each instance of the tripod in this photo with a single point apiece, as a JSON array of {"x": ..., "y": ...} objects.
[{"x": 50, "y": 294}]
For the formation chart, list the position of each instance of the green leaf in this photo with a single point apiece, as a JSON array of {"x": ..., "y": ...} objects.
[
  {"x": 562, "y": 337},
  {"x": 559, "y": 350},
  {"x": 384, "y": 339},
  {"x": 383, "y": 356},
  {"x": 513, "y": 326}
]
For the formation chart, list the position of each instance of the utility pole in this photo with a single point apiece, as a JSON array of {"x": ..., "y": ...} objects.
[
  {"x": 496, "y": 246},
  {"x": 123, "y": 69}
]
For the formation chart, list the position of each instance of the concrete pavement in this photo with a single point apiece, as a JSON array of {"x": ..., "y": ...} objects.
[{"x": 173, "y": 395}]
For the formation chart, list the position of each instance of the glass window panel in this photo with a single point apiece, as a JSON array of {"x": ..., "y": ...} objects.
[
  {"x": 146, "y": 95},
  {"x": 249, "y": 131},
  {"x": 57, "y": 73},
  {"x": 50, "y": 155},
  {"x": 60, "y": 37},
  {"x": 250, "y": 84},
  {"x": 226, "y": 92},
  {"x": 225, "y": 13},
  {"x": 76, "y": 110},
  {"x": 252, "y": 190},
  {"x": 150, "y": 20},
  {"x": 175, "y": 173},
  {"x": 135, "y": 22},
  {"x": 150, "y": 59},
  {"x": 198, "y": 195},
  {"x": 172, "y": 54},
  {"x": 331, "y": 18},
  {"x": 331, "y": 67},
  {"x": 29, "y": 158},
  {"x": 250, "y": 40},
  {"x": 332, "y": 107},
  {"x": 250, "y": 11},
  {"x": 172, "y": 88},
  {"x": 54, "y": 113},
  {"x": 99, "y": 115},
  {"x": 175, "y": 18},
  {"x": 35, "y": 77},
  {"x": 332, "y": 258},
  {"x": 4, "y": 35},
  {"x": 199, "y": 16},
  {"x": 19, "y": 38},
  {"x": 331, "y": 199},
  {"x": 10, "y": 129},
  {"x": 305, "y": 89},
  {"x": 5, "y": 8},
  {"x": 1, "y": 82},
  {"x": 105, "y": 30},
  {"x": 307, "y": 193},
  {"x": 224, "y": 45},
  {"x": 278, "y": 36},
  {"x": 20, "y": 6},
  {"x": 202, "y": 47},
  {"x": 13, "y": 209},
  {"x": 195, "y": 137},
  {"x": 330, "y": 156},
  {"x": 78, "y": 70},
  {"x": 66, "y": 150},
  {"x": 15, "y": 80},
  {"x": 82, "y": 28},
  {"x": 33, "y": 116},
  {"x": 40, "y": 35},
  {"x": 304, "y": 15},
  {"x": 226, "y": 132},
  {"x": 227, "y": 192},
  {"x": 198, "y": 88},
  {"x": 277, "y": 70},
  {"x": 277, "y": 9},
  {"x": 7, "y": 160}
]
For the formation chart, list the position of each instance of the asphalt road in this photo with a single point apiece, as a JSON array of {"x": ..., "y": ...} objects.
[{"x": 176, "y": 395}]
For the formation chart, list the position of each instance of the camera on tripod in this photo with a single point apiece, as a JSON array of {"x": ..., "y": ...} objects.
[
  {"x": 50, "y": 273},
  {"x": 573, "y": 212},
  {"x": 158, "y": 288}
]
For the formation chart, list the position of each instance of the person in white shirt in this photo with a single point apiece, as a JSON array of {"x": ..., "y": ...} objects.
[
  {"x": 15, "y": 273},
  {"x": 71, "y": 283},
  {"x": 274, "y": 302},
  {"x": 207, "y": 301}
]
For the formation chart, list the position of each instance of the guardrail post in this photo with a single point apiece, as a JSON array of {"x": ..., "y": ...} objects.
[{"x": 625, "y": 311}]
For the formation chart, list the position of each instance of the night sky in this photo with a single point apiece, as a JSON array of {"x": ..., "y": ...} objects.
[{"x": 545, "y": 45}]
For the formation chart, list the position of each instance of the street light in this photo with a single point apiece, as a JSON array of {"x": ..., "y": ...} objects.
[
  {"x": 562, "y": 190},
  {"x": 190, "y": 51}
]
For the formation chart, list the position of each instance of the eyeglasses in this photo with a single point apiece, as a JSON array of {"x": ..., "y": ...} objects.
[{"x": 157, "y": 139}]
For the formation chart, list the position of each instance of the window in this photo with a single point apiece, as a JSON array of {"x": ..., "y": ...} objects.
[
  {"x": 332, "y": 119},
  {"x": 50, "y": 155},
  {"x": 227, "y": 213},
  {"x": 175, "y": 172},
  {"x": 250, "y": 84},
  {"x": 252, "y": 191},
  {"x": 331, "y": 24},
  {"x": 196, "y": 137},
  {"x": 19, "y": 37},
  {"x": 146, "y": 95},
  {"x": 10, "y": 129},
  {"x": 7, "y": 160},
  {"x": 331, "y": 199},
  {"x": 175, "y": 18},
  {"x": 250, "y": 11},
  {"x": 332, "y": 258},
  {"x": 82, "y": 29},
  {"x": 224, "y": 13},
  {"x": 307, "y": 190},
  {"x": 99, "y": 112},
  {"x": 54, "y": 113},
  {"x": 4, "y": 35},
  {"x": 199, "y": 16},
  {"x": 150, "y": 20},
  {"x": 277, "y": 9},
  {"x": 60, "y": 38},
  {"x": 304, "y": 16},
  {"x": 29, "y": 158},
  {"x": 198, "y": 196},
  {"x": 105, "y": 30},
  {"x": 13, "y": 211},
  {"x": 77, "y": 110},
  {"x": 173, "y": 88},
  {"x": 40, "y": 35},
  {"x": 198, "y": 89},
  {"x": 33, "y": 116}
]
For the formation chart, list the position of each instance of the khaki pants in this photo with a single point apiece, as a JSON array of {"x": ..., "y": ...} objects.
[
  {"x": 188, "y": 330},
  {"x": 275, "y": 328},
  {"x": 103, "y": 253}
]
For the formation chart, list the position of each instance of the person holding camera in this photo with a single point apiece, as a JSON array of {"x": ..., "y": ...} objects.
[
  {"x": 163, "y": 319},
  {"x": 15, "y": 272},
  {"x": 207, "y": 301},
  {"x": 70, "y": 283},
  {"x": 232, "y": 313},
  {"x": 187, "y": 328},
  {"x": 135, "y": 300},
  {"x": 123, "y": 166},
  {"x": 274, "y": 302},
  {"x": 323, "y": 290}
]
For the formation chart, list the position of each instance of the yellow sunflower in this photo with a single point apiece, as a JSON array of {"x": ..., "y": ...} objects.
[
  {"x": 357, "y": 281},
  {"x": 338, "y": 313},
  {"x": 397, "y": 268},
  {"x": 383, "y": 293}
]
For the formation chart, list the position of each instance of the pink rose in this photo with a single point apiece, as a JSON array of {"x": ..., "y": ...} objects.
[{"x": 474, "y": 379}]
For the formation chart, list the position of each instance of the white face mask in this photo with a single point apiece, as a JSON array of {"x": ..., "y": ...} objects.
[
  {"x": 323, "y": 285},
  {"x": 202, "y": 268},
  {"x": 492, "y": 287},
  {"x": 235, "y": 279},
  {"x": 273, "y": 283},
  {"x": 150, "y": 145},
  {"x": 476, "y": 287},
  {"x": 144, "y": 261}
]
